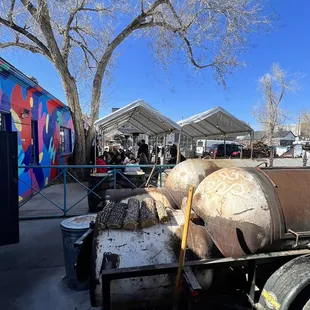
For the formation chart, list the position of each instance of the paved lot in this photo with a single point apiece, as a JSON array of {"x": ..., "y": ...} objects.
[
  {"x": 38, "y": 206},
  {"x": 31, "y": 272}
]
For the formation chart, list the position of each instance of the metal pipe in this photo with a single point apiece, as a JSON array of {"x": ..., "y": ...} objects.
[
  {"x": 65, "y": 192},
  {"x": 156, "y": 150},
  {"x": 164, "y": 153},
  {"x": 184, "y": 239},
  {"x": 179, "y": 147},
  {"x": 224, "y": 145}
]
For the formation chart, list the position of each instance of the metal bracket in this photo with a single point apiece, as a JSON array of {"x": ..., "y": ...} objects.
[{"x": 296, "y": 235}]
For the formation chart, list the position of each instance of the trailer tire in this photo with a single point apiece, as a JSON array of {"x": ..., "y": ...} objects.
[{"x": 289, "y": 287}]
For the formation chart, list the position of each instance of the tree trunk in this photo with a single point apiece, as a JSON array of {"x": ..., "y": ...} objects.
[{"x": 73, "y": 101}]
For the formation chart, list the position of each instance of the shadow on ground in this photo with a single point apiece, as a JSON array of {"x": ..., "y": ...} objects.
[{"x": 31, "y": 272}]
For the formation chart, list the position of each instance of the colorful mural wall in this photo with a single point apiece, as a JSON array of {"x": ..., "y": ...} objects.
[{"x": 44, "y": 126}]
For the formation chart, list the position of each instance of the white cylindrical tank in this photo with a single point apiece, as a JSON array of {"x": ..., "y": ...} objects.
[
  {"x": 187, "y": 173},
  {"x": 147, "y": 246},
  {"x": 236, "y": 205}
]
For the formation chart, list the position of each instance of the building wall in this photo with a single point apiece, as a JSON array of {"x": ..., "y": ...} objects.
[{"x": 44, "y": 126}]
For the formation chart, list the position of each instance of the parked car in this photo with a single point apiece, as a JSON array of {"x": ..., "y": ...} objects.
[{"x": 217, "y": 150}]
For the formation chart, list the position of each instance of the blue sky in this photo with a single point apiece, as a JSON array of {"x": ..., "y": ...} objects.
[{"x": 136, "y": 76}]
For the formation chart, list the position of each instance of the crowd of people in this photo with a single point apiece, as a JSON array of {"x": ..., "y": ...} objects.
[{"x": 120, "y": 157}]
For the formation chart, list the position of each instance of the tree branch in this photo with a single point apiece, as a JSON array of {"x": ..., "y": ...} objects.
[
  {"x": 43, "y": 19},
  {"x": 137, "y": 23},
  {"x": 85, "y": 50},
  {"x": 27, "y": 34},
  {"x": 10, "y": 14},
  {"x": 29, "y": 47},
  {"x": 175, "y": 14},
  {"x": 66, "y": 45}
]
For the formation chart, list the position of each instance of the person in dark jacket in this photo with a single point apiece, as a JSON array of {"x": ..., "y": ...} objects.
[
  {"x": 174, "y": 155},
  {"x": 143, "y": 148}
]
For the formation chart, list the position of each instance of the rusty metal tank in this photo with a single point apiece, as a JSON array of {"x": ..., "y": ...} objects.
[
  {"x": 193, "y": 171},
  {"x": 187, "y": 173},
  {"x": 249, "y": 210}
]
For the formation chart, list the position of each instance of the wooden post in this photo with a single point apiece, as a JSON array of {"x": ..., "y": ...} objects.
[
  {"x": 184, "y": 241},
  {"x": 150, "y": 176}
]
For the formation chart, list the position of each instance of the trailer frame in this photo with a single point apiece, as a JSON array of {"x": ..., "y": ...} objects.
[{"x": 249, "y": 261}]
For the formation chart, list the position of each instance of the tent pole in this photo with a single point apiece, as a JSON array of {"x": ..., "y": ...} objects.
[
  {"x": 179, "y": 147},
  {"x": 192, "y": 148},
  {"x": 164, "y": 153},
  {"x": 251, "y": 134},
  {"x": 224, "y": 145},
  {"x": 156, "y": 149}
]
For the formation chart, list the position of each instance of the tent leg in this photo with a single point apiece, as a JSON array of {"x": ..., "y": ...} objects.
[
  {"x": 224, "y": 145},
  {"x": 156, "y": 150},
  {"x": 192, "y": 148},
  {"x": 179, "y": 147},
  {"x": 164, "y": 153}
]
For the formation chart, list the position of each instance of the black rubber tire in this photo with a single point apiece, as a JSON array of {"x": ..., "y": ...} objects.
[
  {"x": 289, "y": 287},
  {"x": 302, "y": 301}
]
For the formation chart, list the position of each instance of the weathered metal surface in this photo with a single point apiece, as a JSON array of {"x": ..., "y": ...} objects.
[
  {"x": 193, "y": 171},
  {"x": 235, "y": 209},
  {"x": 185, "y": 174},
  {"x": 149, "y": 246},
  {"x": 72, "y": 229},
  {"x": 292, "y": 188},
  {"x": 248, "y": 210}
]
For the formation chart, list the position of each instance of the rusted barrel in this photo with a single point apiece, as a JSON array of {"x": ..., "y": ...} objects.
[
  {"x": 248, "y": 210},
  {"x": 193, "y": 171},
  {"x": 187, "y": 173}
]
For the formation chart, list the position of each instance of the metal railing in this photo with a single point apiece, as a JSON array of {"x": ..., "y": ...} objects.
[{"x": 65, "y": 172}]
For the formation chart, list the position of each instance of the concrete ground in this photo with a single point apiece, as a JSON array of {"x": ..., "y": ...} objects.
[
  {"x": 38, "y": 206},
  {"x": 31, "y": 272}
]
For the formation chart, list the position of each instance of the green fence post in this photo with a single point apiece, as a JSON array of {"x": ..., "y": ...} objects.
[
  {"x": 65, "y": 192},
  {"x": 114, "y": 178}
]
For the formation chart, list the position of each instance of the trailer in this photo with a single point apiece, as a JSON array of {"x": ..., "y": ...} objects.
[{"x": 252, "y": 237}]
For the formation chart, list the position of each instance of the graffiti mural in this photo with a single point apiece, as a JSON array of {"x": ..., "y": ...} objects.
[{"x": 44, "y": 126}]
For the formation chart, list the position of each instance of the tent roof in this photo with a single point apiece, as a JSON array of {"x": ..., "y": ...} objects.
[
  {"x": 139, "y": 115},
  {"x": 213, "y": 122}
]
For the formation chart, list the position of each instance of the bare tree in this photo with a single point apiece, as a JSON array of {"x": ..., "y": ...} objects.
[
  {"x": 304, "y": 123},
  {"x": 273, "y": 86},
  {"x": 80, "y": 38}
]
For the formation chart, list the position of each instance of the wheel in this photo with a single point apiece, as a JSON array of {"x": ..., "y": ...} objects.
[
  {"x": 289, "y": 287},
  {"x": 302, "y": 301}
]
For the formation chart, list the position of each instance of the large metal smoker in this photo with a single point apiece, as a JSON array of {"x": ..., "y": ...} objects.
[{"x": 248, "y": 216}]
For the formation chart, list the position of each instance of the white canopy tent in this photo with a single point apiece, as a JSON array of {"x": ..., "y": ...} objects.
[
  {"x": 213, "y": 122},
  {"x": 139, "y": 115}
]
